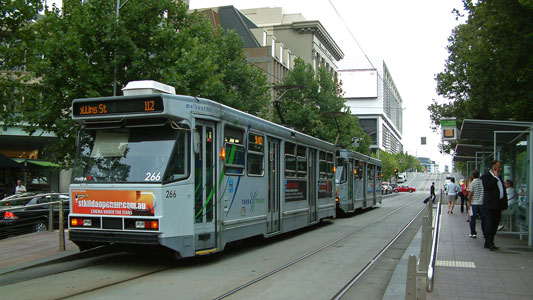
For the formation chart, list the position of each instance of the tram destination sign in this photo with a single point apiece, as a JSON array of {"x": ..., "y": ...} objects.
[{"x": 117, "y": 106}]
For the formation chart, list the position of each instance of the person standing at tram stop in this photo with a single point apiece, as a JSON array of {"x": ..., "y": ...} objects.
[
  {"x": 462, "y": 195},
  {"x": 453, "y": 190},
  {"x": 20, "y": 188},
  {"x": 494, "y": 201},
  {"x": 432, "y": 192},
  {"x": 475, "y": 202},
  {"x": 511, "y": 198}
]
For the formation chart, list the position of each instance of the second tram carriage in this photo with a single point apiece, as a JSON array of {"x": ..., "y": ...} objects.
[
  {"x": 191, "y": 174},
  {"x": 358, "y": 180}
]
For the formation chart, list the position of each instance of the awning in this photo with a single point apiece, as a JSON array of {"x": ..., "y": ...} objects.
[
  {"x": 8, "y": 163},
  {"x": 40, "y": 163},
  {"x": 464, "y": 158},
  {"x": 483, "y": 130}
]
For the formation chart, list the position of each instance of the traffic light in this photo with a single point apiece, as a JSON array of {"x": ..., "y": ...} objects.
[{"x": 396, "y": 173}]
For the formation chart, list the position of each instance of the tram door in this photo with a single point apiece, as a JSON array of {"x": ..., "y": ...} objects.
[
  {"x": 205, "y": 186},
  {"x": 350, "y": 180},
  {"x": 312, "y": 172},
  {"x": 273, "y": 215}
]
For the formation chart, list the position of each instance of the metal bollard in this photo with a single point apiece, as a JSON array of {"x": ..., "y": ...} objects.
[
  {"x": 51, "y": 218},
  {"x": 410, "y": 288},
  {"x": 61, "y": 227}
]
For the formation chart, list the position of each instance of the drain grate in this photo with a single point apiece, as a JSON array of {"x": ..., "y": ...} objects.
[{"x": 456, "y": 264}]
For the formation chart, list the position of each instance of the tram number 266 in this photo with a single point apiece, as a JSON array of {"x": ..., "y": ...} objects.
[{"x": 171, "y": 194}]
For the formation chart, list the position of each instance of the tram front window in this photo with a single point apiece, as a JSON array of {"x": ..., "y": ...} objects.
[{"x": 132, "y": 155}]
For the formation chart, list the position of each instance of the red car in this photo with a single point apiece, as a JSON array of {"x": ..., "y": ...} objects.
[{"x": 405, "y": 188}]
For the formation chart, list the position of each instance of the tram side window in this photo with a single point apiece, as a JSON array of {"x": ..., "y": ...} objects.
[
  {"x": 302, "y": 161},
  {"x": 256, "y": 152},
  {"x": 329, "y": 158},
  {"x": 323, "y": 165},
  {"x": 290, "y": 160},
  {"x": 358, "y": 169},
  {"x": 234, "y": 147}
]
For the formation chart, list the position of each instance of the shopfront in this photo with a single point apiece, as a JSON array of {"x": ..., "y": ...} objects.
[
  {"x": 482, "y": 141},
  {"x": 24, "y": 158}
]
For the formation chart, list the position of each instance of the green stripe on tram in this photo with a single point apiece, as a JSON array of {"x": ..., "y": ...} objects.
[{"x": 210, "y": 196}]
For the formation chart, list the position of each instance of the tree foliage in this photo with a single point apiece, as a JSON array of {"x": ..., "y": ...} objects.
[
  {"x": 315, "y": 108},
  {"x": 73, "y": 54},
  {"x": 403, "y": 162},
  {"x": 489, "y": 70},
  {"x": 15, "y": 15}
]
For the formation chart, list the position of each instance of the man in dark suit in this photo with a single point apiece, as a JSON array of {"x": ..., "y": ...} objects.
[
  {"x": 432, "y": 192},
  {"x": 494, "y": 201}
]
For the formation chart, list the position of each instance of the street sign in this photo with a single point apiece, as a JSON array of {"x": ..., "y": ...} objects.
[{"x": 449, "y": 129}]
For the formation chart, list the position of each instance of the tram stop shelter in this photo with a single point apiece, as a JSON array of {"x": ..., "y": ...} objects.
[{"x": 480, "y": 142}]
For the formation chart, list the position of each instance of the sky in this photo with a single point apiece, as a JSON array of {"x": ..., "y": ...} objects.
[{"x": 410, "y": 35}]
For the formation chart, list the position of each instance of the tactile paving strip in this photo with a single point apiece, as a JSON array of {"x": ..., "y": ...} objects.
[{"x": 456, "y": 264}]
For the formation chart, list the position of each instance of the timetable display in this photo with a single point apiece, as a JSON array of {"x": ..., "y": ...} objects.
[{"x": 117, "y": 106}]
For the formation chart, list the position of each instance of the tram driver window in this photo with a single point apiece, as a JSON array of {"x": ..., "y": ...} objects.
[
  {"x": 234, "y": 147},
  {"x": 178, "y": 166}
]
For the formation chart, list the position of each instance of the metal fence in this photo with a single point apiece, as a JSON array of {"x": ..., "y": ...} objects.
[
  {"x": 19, "y": 202},
  {"x": 421, "y": 273}
]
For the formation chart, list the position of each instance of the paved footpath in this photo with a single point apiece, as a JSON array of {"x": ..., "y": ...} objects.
[
  {"x": 30, "y": 249},
  {"x": 466, "y": 270}
]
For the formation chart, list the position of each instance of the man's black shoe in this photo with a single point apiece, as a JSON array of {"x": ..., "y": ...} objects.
[
  {"x": 486, "y": 245},
  {"x": 492, "y": 248}
]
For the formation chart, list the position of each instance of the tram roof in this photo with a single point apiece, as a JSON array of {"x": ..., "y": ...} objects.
[
  {"x": 355, "y": 154},
  {"x": 202, "y": 107}
]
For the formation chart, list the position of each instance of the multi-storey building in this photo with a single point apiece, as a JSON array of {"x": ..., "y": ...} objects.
[
  {"x": 306, "y": 39},
  {"x": 372, "y": 95}
]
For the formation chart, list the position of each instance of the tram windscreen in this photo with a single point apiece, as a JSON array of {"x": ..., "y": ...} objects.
[{"x": 139, "y": 155}]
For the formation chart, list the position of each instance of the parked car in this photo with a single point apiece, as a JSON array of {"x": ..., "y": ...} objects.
[
  {"x": 405, "y": 188},
  {"x": 386, "y": 188},
  {"x": 22, "y": 216}
]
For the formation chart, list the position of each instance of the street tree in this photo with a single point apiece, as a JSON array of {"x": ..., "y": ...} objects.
[
  {"x": 317, "y": 107},
  {"x": 488, "y": 71},
  {"x": 73, "y": 53},
  {"x": 14, "y": 17}
]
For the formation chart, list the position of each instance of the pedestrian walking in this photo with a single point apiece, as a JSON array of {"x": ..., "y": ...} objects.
[
  {"x": 20, "y": 188},
  {"x": 475, "y": 202},
  {"x": 453, "y": 189},
  {"x": 432, "y": 192},
  {"x": 494, "y": 201}
]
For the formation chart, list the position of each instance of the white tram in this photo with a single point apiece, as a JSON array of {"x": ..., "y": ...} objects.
[
  {"x": 358, "y": 180},
  {"x": 190, "y": 174}
]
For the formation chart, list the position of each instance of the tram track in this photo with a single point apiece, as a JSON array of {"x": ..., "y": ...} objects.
[
  {"x": 330, "y": 244},
  {"x": 150, "y": 269}
]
